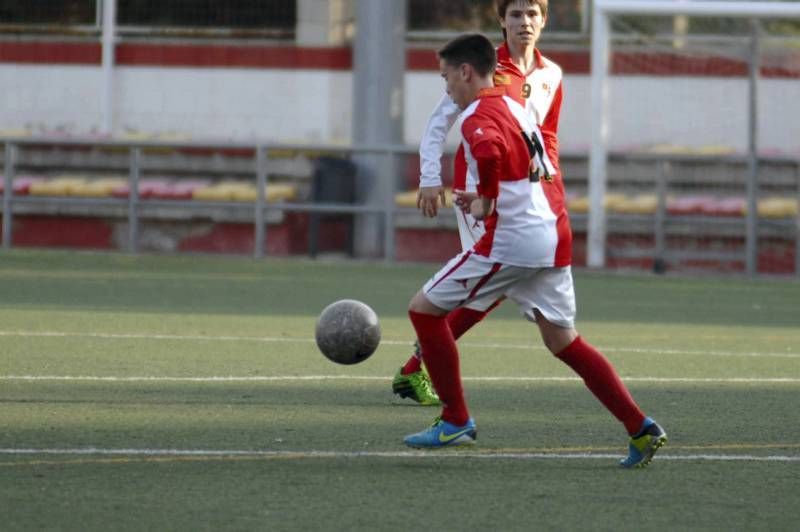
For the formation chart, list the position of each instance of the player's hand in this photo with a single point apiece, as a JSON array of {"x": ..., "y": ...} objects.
[
  {"x": 477, "y": 209},
  {"x": 464, "y": 199},
  {"x": 428, "y": 199}
]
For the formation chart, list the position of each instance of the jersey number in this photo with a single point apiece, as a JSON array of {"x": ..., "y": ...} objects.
[
  {"x": 526, "y": 90},
  {"x": 535, "y": 149}
]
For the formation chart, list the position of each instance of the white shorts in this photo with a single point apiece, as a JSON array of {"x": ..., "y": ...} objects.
[
  {"x": 470, "y": 231},
  {"x": 468, "y": 278}
]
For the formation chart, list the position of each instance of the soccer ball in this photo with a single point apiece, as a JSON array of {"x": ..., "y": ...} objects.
[{"x": 348, "y": 331}]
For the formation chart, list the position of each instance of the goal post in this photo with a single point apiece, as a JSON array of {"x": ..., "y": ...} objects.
[{"x": 602, "y": 128}]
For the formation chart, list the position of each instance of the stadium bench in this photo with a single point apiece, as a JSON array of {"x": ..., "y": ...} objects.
[{"x": 22, "y": 184}]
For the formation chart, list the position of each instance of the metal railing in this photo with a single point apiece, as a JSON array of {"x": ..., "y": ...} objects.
[
  {"x": 136, "y": 206},
  {"x": 659, "y": 180}
]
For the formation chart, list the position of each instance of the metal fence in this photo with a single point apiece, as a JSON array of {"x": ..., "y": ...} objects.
[
  {"x": 134, "y": 208},
  {"x": 650, "y": 225},
  {"x": 427, "y": 19},
  {"x": 656, "y": 90},
  {"x": 183, "y": 18}
]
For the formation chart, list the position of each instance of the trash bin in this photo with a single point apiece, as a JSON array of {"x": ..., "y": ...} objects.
[{"x": 333, "y": 181}]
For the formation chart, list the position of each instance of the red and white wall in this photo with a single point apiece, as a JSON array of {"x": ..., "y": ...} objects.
[{"x": 304, "y": 94}]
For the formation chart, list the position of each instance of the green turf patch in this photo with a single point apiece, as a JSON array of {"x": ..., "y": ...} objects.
[{"x": 213, "y": 358}]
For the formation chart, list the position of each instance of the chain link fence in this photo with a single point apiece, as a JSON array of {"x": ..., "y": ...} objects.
[
  {"x": 704, "y": 166},
  {"x": 276, "y": 18}
]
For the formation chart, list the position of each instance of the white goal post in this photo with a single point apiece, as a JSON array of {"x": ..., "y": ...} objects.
[{"x": 600, "y": 62}]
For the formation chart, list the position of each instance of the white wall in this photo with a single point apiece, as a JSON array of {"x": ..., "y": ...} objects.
[
  {"x": 315, "y": 106},
  {"x": 63, "y": 98},
  {"x": 652, "y": 111},
  {"x": 271, "y": 105}
]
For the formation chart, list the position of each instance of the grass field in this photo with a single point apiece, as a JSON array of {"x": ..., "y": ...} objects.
[{"x": 186, "y": 393}]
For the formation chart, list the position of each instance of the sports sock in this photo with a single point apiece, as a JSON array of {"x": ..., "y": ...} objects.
[
  {"x": 413, "y": 365},
  {"x": 460, "y": 321},
  {"x": 463, "y": 319},
  {"x": 604, "y": 382},
  {"x": 441, "y": 358}
]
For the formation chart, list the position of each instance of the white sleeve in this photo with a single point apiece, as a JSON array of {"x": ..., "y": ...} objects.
[{"x": 431, "y": 146}]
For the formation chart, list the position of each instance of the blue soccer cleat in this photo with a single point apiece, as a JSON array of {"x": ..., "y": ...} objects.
[
  {"x": 443, "y": 434},
  {"x": 643, "y": 446}
]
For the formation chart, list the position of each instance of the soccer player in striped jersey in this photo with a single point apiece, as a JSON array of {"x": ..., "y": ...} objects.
[
  {"x": 519, "y": 256},
  {"x": 534, "y": 82}
]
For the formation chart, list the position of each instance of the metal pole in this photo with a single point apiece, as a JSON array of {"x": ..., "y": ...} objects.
[
  {"x": 660, "y": 261},
  {"x": 8, "y": 192},
  {"x": 133, "y": 199},
  {"x": 108, "y": 43},
  {"x": 378, "y": 100},
  {"x": 98, "y": 16},
  {"x": 598, "y": 156},
  {"x": 797, "y": 226},
  {"x": 261, "y": 185},
  {"x": 751, "y": 232},
  {"x": 585, "y": 8},
  {"x": 388, "y": 212}
]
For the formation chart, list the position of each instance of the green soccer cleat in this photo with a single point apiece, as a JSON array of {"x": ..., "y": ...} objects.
[
  {"x": 643, "y": 446},
  {"x": 416, "y": 386}
]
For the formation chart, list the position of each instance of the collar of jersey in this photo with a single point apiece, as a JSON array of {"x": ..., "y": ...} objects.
[
  {"x": 504, "y": 58},
  {"x": 491, "y": 91}
]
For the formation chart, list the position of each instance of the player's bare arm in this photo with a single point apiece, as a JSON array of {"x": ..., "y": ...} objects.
[{"x": 428, "y": 199}]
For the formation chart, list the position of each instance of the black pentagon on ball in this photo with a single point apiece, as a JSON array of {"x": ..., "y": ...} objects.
[{"x": 348, "y": 331}]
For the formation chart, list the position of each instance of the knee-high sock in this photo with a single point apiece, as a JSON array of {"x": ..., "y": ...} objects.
[
  {"x": 604, "y": 382},
  {"x": 441, "y": 358},
  {"x": 460, "y": 321}
]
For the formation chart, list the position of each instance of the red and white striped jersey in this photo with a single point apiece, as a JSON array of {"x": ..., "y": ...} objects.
[
  {"x": 498, "y": 140},
  {"x": 540, "y": 93}
]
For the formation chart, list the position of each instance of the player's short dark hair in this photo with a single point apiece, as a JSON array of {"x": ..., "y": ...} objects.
[
  {"x": 473, "y": 49},
  {"x": 502, "y": 6}
]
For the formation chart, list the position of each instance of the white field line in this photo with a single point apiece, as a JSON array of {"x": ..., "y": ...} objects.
[
  {"x": 280, "y": 339},
  {"x": 385, "y": 454},
  {"x": 295, "y": 378}
]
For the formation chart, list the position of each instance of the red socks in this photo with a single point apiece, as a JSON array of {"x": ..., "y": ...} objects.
[
  {"x": 441, "y": 358},
  {"x": 438, "y": 348},
  {"x": 460, "y": 321},
  {"x": 413, "y": 365},
  {"x": 602, "y": 379}
]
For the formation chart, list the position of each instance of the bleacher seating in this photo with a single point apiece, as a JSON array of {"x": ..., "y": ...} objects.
[
  {"x": 706, "y": 205},
  {"x": 22, "y": 184},
  {"x": 82, "y": 186}
]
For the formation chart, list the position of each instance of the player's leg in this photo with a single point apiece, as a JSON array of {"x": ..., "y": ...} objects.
[
  {"x": 462, "y": 280},
  {"x": 552, "y": 301},
  {"x": 595, "y": 370},
  {"x": 454, "y": 426},
  {"x": 460, "y": 321},
  {"x": 602, "y": 379},
  {"x": 411, "y": 380}
]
